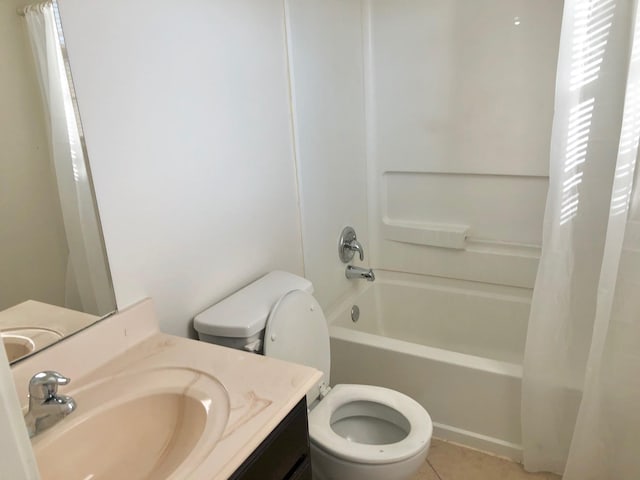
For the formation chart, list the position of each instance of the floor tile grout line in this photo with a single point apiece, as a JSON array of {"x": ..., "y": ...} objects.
[{"x": 434, "y": 470}]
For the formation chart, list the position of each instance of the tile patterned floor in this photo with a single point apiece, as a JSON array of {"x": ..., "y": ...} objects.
[{"x": 448, "y": 461}]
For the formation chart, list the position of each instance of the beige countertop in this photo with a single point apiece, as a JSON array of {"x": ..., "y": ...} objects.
[
  {"x": 36, "y": 325},
  {"x": 261, "y": 390},
  {"x": 31, "y": 313}
]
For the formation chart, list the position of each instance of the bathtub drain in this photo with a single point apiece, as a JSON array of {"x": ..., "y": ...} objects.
[{"x": 355, "y": 313}]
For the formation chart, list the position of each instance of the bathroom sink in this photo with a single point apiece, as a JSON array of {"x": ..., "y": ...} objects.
[
  {"x": 143, "y": 425},
  {"x": 19, "y": 342},
  {"x": 17, "y": 346}
]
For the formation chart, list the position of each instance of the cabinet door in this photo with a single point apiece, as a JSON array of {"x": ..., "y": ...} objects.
[{"x": 284, "y": 454}]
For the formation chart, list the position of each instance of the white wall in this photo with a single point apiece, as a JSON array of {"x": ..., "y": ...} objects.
[
  {"x": 33, "y": 246},
  {"x": 460, "y": 97},
  {"x": 186, "y": 112},
  {"x": 325, "y": 46}
]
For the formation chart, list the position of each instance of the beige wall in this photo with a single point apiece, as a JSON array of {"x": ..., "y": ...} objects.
[{"x": 33, "y": 249}]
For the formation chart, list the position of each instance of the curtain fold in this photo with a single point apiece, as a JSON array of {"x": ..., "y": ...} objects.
[
  {"x": 581, "y": 294},
  {"x": 88, "y": 286}
]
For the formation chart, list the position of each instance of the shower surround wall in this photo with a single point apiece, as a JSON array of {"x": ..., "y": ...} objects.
[
  {"x": 427, "y": 123},
  {"x": 460, "y": 101},
  {"x": 329, "y": 124},
  {"x": 434, "y": 118}
]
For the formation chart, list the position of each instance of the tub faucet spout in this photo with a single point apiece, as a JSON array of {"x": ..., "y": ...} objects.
[{"x": 357, "y": 272}]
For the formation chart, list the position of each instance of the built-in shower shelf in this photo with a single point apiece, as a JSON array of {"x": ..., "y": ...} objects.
[{"x": 431, "y": 234}]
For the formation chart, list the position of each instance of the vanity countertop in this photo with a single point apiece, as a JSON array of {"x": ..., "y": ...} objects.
[
  {"x": 35, "y": 325},
  {"x": 34, "y": 314},
  {"x": 261, "y": 390}
]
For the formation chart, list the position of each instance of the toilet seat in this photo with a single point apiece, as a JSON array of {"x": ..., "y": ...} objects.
[
  {"x": 324, "y": 437},
  {"x": 297, "y": 331}
]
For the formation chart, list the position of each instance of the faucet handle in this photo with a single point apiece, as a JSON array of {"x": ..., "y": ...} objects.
[
  {"x": 348, "y": 244},
  {"x": 355, "y": 246},
  {"x": 44, "y": 385}
]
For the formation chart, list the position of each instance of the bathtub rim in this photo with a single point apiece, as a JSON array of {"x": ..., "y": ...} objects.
[{"x": 435, "y": 354}]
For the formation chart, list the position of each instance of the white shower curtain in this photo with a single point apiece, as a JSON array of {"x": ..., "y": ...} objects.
[
  {"x": 581, "y": 381},
  {"x": 87, "y": 286}
]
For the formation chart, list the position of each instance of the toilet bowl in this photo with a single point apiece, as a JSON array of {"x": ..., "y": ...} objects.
[
  {"x": 356, "y": 432},
  {"x": 362, "y": 431}
]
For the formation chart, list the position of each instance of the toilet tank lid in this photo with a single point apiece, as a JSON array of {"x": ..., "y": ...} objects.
[{"x": 244, "y": 313}]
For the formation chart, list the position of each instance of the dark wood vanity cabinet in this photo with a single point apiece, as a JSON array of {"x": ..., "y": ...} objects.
[{"x": 284, "y": 454}]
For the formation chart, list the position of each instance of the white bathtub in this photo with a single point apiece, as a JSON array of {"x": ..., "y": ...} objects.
[{"x": 454, "y": 346}]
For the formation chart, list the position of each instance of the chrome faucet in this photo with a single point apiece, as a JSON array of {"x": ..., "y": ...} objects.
[
  {"x": 357, "y": 272},
  {"x": 46, "y": 407},
  {"x": 348, "y": 244}
]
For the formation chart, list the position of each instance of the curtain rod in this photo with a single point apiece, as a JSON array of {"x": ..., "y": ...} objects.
[{"x": 21, "y": 11}]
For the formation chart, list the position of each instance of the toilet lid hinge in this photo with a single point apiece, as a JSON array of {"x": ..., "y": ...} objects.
[
  {"x": 324, "y": 390},
  {"x": 254, "y": 347}
]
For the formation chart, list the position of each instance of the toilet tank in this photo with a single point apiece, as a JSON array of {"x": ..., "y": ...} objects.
[{"x": 239, "y": 320}]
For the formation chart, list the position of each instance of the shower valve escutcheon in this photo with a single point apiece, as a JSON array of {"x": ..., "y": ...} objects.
[{"x": 348, "y": 245}]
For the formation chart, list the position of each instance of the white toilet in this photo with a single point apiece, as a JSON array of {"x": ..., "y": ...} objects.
[{"x": 357, "y": 432}]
